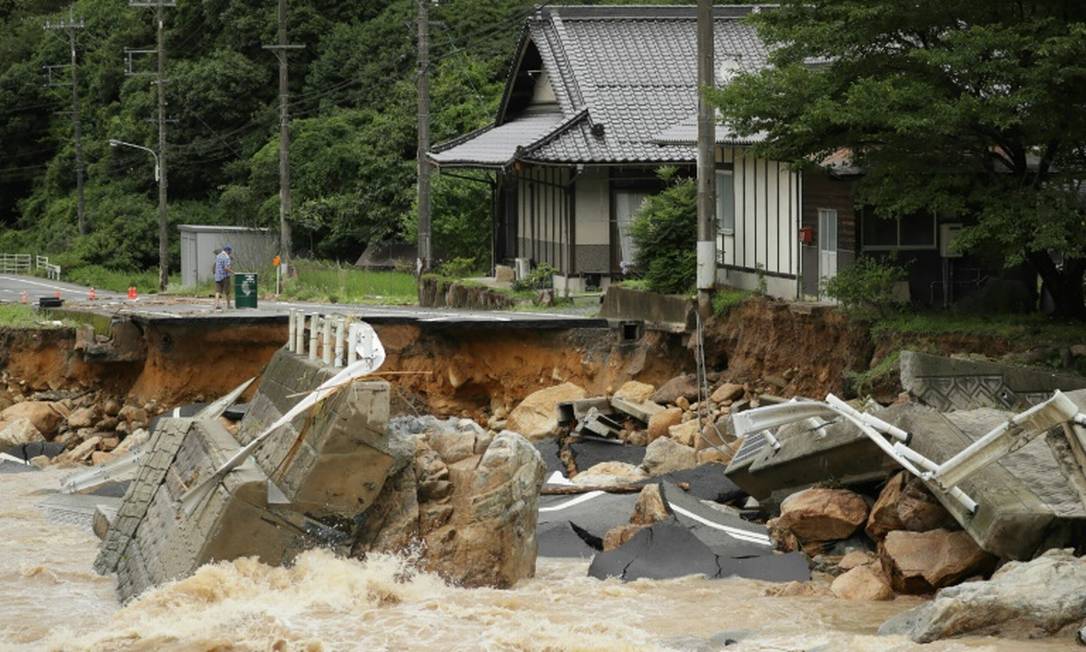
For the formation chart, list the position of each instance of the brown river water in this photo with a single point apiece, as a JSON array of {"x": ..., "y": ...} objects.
[{"x": 51, "y": 599}]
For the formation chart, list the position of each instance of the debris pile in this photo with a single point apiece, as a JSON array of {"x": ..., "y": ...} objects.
[
  {"x": 69, "y": 427},
  {"x": 338, "y": 475}
]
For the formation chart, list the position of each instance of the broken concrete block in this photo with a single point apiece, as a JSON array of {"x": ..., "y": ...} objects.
[
  {"x": 640, "y": 410},
  {"x": 1040, "y": 597},
  {"x": 920, "y": 562}
]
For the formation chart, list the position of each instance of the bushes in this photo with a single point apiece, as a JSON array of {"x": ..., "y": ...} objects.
[
  {"x": 867, "y": 286},
  {"x": 665, "y": 233},
  {"x": 541, "y": 278}
]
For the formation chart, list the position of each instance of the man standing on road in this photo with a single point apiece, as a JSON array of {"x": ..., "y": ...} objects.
[{"x": 223, "y": 271}]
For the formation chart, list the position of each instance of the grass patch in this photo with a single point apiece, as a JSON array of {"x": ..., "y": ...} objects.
[
  {"x": 724, "y": 300},
  {"x": 103, "y": 278},
  {"x": 1030, "y": 328},
  {"x": 639, "y": 284},
  {"x": 337, "y": 283},
  {"x": 20, "y": 316},
  {"x": 863, "y": 382}
]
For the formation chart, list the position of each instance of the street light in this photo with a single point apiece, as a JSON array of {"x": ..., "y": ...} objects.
[{"x": 113, "y": 142}]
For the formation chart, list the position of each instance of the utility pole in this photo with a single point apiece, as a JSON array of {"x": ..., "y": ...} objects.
[
  {"x": 70, "y": 26},
  {"x": 281, "y": 49},
  {"x": 425, "y": 249},
  {"x": 706, "y": 252},
  {"x": 160, "y": 83}
]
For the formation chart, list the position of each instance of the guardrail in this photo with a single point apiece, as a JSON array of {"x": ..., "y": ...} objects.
[
  {"x": 51, "y": 271},
  {"x": 14, "y": 263}
]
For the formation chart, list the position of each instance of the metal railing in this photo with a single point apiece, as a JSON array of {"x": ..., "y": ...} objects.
[
  {"x": 14, "y": 263},
  {"x": 51, "y": 271}
]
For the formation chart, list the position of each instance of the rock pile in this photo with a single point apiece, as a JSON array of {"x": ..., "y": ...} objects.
[
  {"x": 668, "y": 423},
  {"x": 85, "y": 427},
  {"x": 905, "y": 542}
]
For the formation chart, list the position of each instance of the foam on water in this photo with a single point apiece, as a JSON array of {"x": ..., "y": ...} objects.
[{"x": 52, "y": 600}]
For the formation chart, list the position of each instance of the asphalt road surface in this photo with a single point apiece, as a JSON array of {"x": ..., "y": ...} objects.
[{"x": 154, "y": 307}]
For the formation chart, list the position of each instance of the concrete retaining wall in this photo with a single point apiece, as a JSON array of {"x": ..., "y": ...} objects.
[
  {"x": 667, "y": 312},
  {"x": 437, "y": 292}
]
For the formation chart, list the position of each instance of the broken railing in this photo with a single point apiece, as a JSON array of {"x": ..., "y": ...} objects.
[
  {"x": 1008, "y": 437},
  {"x": 335, "y": 340}
]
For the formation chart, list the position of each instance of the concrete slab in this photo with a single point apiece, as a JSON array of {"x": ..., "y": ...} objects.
[
  {"x": 330, "y": 465},
  {"x": 956, "y": 384}
]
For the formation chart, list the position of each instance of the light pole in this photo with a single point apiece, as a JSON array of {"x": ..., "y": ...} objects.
[
  {"x": 113, "y": 142},
  {"x": 162, "y": 262}
]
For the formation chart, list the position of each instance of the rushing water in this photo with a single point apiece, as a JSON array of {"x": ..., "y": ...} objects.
[{"x": 51, "y": 599}]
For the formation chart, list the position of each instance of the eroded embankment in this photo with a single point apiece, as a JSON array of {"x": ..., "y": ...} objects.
[
  {"x": 444, "y": 369},
  {"x": 809, "y": 350}
]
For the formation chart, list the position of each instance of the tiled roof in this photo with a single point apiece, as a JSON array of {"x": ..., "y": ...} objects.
[
  {"x": 495, "y": 146},
  {"x": 686, "y": 133},
  {"x": 632, "y": 70}
]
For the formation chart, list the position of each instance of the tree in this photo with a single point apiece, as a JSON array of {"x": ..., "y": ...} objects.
[
  {"x": 975, "y": 110},
  {"x": 665, "y": 233}
]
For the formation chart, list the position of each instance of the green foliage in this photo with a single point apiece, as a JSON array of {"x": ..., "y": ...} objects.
[
  {"x": 540, "y": 278},
  {"x": 665, "y": 234},
  {"x": 967, "y": 109},
  {"x": 103, "y": 278},
  {"x": 337, "y": 283},
  {"x": 866, "y": 287},
  {"x": 726, "y": 299},
  {"x": 460, "y": 268},
  {"x": 863, "y": 383},
  {"x": 20, "y": 316}
]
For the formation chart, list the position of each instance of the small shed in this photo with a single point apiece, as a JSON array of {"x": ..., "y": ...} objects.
[{"x": 253, "y": 249}]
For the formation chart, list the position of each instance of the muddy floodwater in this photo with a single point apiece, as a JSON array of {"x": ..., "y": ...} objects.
[{"x": 52, "y": 600}]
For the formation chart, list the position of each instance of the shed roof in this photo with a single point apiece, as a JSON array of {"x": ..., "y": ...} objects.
[
  {"x": 622, "y": 75},
  {"x": 219, "y": 228}
]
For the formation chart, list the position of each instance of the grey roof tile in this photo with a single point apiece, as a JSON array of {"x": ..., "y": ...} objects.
[{"x": 634, "y": 68}]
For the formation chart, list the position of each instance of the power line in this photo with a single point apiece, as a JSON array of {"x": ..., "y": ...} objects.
[{"x": 70, "y": 26}]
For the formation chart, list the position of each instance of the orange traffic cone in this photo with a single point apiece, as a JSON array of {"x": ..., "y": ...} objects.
[
  {"x": 132, "y": 293},
  {"x": 23, "y": 298},
  {"x": 91, "y": 295}
]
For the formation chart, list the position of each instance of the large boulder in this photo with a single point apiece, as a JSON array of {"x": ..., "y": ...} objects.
[
  {"x": 823, "y": 514},
  {"x": 45, "y": 415},
  {"x": 920, "y": 562},
  {"x": 650, "y": 506},
  {"x": 685, "y": 386},
  {"x": 606, "y": 474},
  {"x": 537, "y": 415},
  {"x": 1030, "y": 599},
  {"x": 635, "y": 391},
  {"x": 862, "y": 583},
  {"x": 83, "y": 417},
  {"x": 18, "y": 432},
  {"x": 906, "y": 504},
  {"x": 661, "y": 422},
  {"x": 666, "y": 455},
  {"x": 489, "y": 537},
  {"x": 686, "y": 433},
  {"x": 727, "y": 392}
]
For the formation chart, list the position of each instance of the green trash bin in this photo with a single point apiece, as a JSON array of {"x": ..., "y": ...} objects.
[{"x": 245, "y": 290}]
